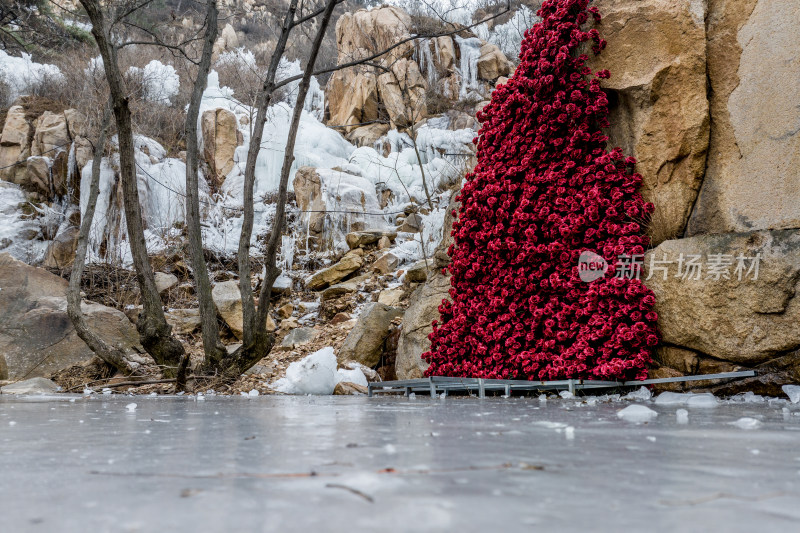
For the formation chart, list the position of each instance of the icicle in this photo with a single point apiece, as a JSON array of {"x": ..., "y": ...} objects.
[{"x": 468, "y": 68}]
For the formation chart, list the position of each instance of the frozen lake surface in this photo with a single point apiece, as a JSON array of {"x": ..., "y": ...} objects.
[{"x": 394, "y": 464}]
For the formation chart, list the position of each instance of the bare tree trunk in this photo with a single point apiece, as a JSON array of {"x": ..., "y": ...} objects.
[
  {"x": 154, "y": 332},
  {"x": 103, "y": 350},
  {"x": 263, "y": 101},
  {"x": 249, "y": 354},
  {"x": 212, "y": 346}
]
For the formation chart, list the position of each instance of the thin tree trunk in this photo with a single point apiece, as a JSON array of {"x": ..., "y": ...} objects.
[
  {"x": 262, "y": 103},
  {"x": 154, "y": 332},
  {"x": 212, "y": 346},
  {"x": 110, "y": 354},
  {"x": 249, "y": 354}
]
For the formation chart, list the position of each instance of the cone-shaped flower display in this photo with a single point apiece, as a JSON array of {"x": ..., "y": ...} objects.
[{"x": 544, "y": 191}]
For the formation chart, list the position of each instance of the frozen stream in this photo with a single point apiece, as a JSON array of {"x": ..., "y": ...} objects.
[{"x": 392, "y": 464}]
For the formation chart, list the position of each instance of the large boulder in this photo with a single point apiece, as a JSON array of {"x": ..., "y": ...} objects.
[
  {"x": 335, "y": 273},
  {"x": 36, "y": 335},
  {"x": 61, "y": 250},
  {"x": 15, "y": 140},
  {"x": 402, "y": 91},
  {"x": 353, "y": 99},
  {"x": 51, "y": 135},
  {"x": 364, "y": 343},
  {"x": 221, "y": 136},
  {"x": 732, "y": 312},
  {"x": 365, "y": 32},
  {"x": 659, "y": 112},
  {"x": 492, "y": 63},
  {"x": 228, "y": 300},
  {"x": 753, "y": 171},
  {"x": 423, "y": 309}
]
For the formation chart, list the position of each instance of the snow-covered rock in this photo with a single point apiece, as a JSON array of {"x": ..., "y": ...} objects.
[{"x": 315, "y": 374}]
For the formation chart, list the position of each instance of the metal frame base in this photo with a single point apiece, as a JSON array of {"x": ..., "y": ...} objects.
[{"x": 446, "y": 385}]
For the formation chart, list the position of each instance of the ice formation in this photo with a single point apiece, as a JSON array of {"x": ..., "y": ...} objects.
[
  {"x": 747, "y": 423},
  {"x": 315, "y": 374},
  {"x": 160, "y": 82},
  {"x": 22, "y": 75},
  {"x": 468, "y": 67},
  {"x": 17, "y": 232},
  {"x": 705, "y": 399},
  {"x": 793, "y": 392},
  {"x": 637, "y": 414}
]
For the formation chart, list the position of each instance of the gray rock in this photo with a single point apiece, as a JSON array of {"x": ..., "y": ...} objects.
[
  {"x": 357, "y": 239},
  {"x": 364, "y": 343},
  {"x": 36, "y": 335},
  {"x": 386, "y": 263},
  {"x": 228, "y": 300},
  {"x": 418, "y": 272},
  {"x": 334, "y": 274},
  {"x": 412, "y": 224},
  {"x": 31, "y": 386},
  {"x": 183, "y": 321},
  {"x": 423, "y": 309},
  {"x": 745, "y": 321},
  {"x": 165, "y": 281},
  {"x": 299, "y": 337}
]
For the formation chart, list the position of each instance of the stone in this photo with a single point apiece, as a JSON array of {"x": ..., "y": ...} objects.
[
  {"x": 689, "y": 362},
  {"x": 299, "y": 337},
  {"x": 440, "y": 255},
  {"x": 228, "y": 300},
  {"x": 282, "y": 285},
  {"x": 753, "y": 168},
  {"x": 423, "y": 309},
  {"x": 391, "y": 297},
  {"x": 352, "y": 100},
  {"x": 340, "y": 318},
  {"x": 386, "y": 263},
  {"x": 227, "y": 40},
  {"x": 271, "y": 326},
  {"x": 61, "y": 251},
  {"x": 3, "y": 368},
  {"x": 402, "y": 91},
  {"x": 384, "y": 243},
  {"x": 221, "y": 137},
  {"x": 656, "y": 54},
  {"x": 412, "y": 224},
  {"x": 51, "y": 134},
  {"x": 165, "y": 281},
  {"x": 340, "y": 289},
  {"x": 36, "y": 177},
  {"x": 334, "y": 274},
  {"x": 492, "y": 63},
  {"x": 418, "y": 272},
  {"x": 367, "y": 135},
  {"x": 364, "y": 343},
  {"x": 15, "y": 140},
  {"x": 285, "y": 311},
  {"x": 36, "y": 335},
  {"x": 747, "y": 321},
  {"x": 31, "y": 386},
  {"x": 446, "y": 54},
  {"x": 183, "y": 321},
  {"x": 366, "y": 32},
  {"x": 345, "y": 388},
  {"x": 358, "y": 239}
]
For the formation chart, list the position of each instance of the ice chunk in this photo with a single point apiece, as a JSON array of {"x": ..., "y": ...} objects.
[
  {"x": 567, "y": 395},
  {"x": 682, "y": 416},
  {"x": 637, "y": 414},
  {"x": 569, "y": 433},
  {"x": 705, "y": 399},
  {"x": 315, "y": 374},
  {"x": 793, "y": 392},
  {"x": 354, "y": 375},
  {"x": 253, "y": 393},
  {"x": 642, "y": 394},
  {"x": 747, "y": 423},
  {"x": 131, "y": 407}
]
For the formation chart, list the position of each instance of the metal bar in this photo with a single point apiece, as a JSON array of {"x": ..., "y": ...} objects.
[
  {"x": 433, "y": 388},
  {"x": 369, "y": 390},
  {"x": 723, "y": 375},
  {"x": 481, "y": 389}
]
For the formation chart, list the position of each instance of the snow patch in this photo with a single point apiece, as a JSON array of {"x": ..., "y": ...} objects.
[{"x": 315, "y": 374}]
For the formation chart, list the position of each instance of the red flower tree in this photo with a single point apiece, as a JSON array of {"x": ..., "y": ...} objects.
[{"x": 545, "y": 189}]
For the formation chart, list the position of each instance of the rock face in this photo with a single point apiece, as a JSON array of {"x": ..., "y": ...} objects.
[
  {"x": 31, "y": 386},
  {"x": 353, "y": 99},
  {"x": 402, "y": 91},
  {"x": 333, "y": 274},
  {"x": 228, "y": 300},
  {"x": 36, "y": 335},
  {"x": 656, "y": 54},
  {"x": 743, "y": 321},
  {"x": 422, "y": 310},
  {"x": 15, "y": 140},
  {"x": 365, "y": 341},
  {"x": 221, "y": 136},
  {"x": 753, "y": 175},
  {"x": 61, "y": 252},
  {"x": 492, "y": 63}
]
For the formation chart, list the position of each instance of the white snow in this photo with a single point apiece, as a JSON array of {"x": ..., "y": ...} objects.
[
  {"x": 315, "y": 374},
  {"x": 637, "y": 414},
  {"x": 131, "y": 407},
  {"x": 747, "y": 423},
  {"x": 354, "y": 375},
  {"x": 793, "y": 392},
  {"x": 21, "y": 74},
  {"x": 682, "y": 416},
  {"x": 160, "y": 82}
]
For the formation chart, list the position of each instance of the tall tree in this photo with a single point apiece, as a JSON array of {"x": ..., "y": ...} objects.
[{"x": 545, "y": 191}]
